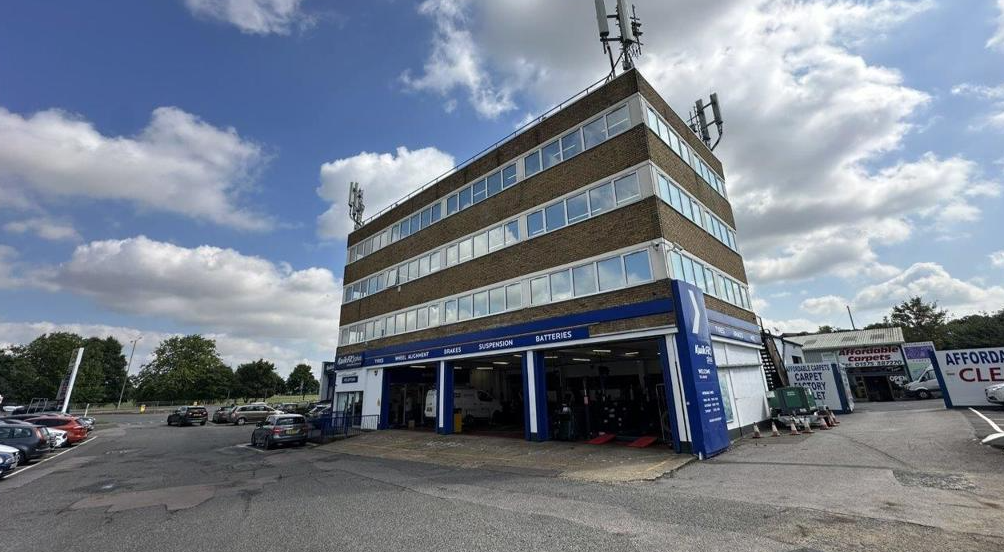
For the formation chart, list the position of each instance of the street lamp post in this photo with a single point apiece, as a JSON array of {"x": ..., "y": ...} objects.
[{"x": 125, "y": 380}]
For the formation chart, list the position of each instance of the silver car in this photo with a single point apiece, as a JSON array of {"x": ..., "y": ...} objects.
[{"x": 251, "y": 413}]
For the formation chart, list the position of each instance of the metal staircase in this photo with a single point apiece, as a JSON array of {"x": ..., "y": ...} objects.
[{"x": 773, "y": 363}]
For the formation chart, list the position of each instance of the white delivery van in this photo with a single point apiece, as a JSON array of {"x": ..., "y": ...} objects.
[
  {"x": 925, "y": 387},
  {"x": 473, "y": 403}
]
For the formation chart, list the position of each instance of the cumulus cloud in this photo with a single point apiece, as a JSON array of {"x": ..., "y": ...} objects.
[
  {"x": 45, "y": 228},
  {"x": 932, "y": 282},
  {"x": 385, "y": 178},
  {"x": 993, "y": 119},
  {"x": 457, "y": 61},
  {"x": 997, "y": 40},
  {"x": 218, "y": 290},
  {"x": 178, "y": 164},
  {"x": 8, "y": 278},
  {"x": 259, "y": 17},
  {"x": 825, "y": 305}
]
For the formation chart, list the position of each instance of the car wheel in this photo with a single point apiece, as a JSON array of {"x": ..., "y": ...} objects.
[
  {"x": 22, "y": 460},
  {"x": 924, "y": 394},
  {"x": 241, "y": 421},
  {"x": 169, "y": 422},
  {"x": 203, "y": 423},
  {"x": 268, "y": 443},
  {"x": 302, "y": 443}
]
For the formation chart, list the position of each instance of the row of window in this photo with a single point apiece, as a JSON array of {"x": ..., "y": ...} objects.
[
  {"x": 609, "y": 274},
  {"x": 590, "y": 202},
  {"x": 552, "y": 153},
  {"x": 678, "y": 145},
  {"x": 690, "y": 208},
  {"x": 709, "y": 280}
]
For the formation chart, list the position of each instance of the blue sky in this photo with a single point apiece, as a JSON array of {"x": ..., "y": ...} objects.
[{"x": 179, "y": 166}]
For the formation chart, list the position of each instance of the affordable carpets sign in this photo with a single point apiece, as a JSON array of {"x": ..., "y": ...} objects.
[
  {"x": 870, "y": 356},
  {"x": 964, "y": 374}
]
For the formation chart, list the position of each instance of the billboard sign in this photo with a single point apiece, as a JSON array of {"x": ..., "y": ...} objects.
[
  {"x": 918, "y": 357},
  {"x": 871, "y": 356},
  {"x": 964, "y": 374},
  {"x": 827, "y": 383}
]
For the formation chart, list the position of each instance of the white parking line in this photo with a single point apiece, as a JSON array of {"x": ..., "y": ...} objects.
[
  {"x": 997, "y": 428},
  {"x": 21, "y": 470},
  {"x": 249, "y": 447}
]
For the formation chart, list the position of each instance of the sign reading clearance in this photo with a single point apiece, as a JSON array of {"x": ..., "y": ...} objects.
[
  {"x": 966, "y": 373},
  {"x": 866, "y": 357}
]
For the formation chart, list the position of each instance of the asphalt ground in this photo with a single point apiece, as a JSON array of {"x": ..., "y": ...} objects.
[{"x": 142, "y": 486}]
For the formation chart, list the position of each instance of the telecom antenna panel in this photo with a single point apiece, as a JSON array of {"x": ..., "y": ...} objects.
[
  {"x": 629, "y": 39},
  {"x": 356, "y": 205},
  {"x": 699, "y": 121}
]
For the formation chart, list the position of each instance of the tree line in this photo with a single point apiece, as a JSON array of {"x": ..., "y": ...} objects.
[{"x": 182, "y": 368}]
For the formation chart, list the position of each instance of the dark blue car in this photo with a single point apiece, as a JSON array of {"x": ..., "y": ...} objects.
[{"x": 31, "y": 442}]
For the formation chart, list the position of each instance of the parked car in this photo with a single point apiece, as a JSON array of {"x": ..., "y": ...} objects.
[
  {"x": 280, "y": 429},
  {"x": 188, "y": 415},
  {"x": 222, "y": 414},
  {"x": 57, "y": 437},
  {"x": 87, "y": 422},
  {"x": 319, "y": 409},
  {"x": 995, "y": 394},
  {"x": 293, "y": 408},
  {"x": 31, "y": 442},
  {"x": 75, "y": 431},
  {"x": 473, "y": 403},
  {"x": 925, "y": 387},
  {"x": 251, "y": 413},
  {"x": 8, "y": 459}
]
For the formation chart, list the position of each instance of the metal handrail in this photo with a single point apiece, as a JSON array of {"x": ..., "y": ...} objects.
[{"x": 540, "y": 118}]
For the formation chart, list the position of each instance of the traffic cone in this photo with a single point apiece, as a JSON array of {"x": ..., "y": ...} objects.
[
  {"x": 756, "y": 431},
  {"x": 826, "y": 423},
  {"x": 808, "y": 426},
  {"x": 794, "y": 430},
  {"x": 773, "y": 429},
  {"x": 833, "y": 417}
]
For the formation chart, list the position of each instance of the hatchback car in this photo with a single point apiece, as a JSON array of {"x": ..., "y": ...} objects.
[
  {"x": 222, "y": 414},
  {"x": 280, "y": 429},
  {"x": 31, "y": 442},
  {"x": 8, "y": 459},
  {"x": 188, "y": 415},
  {"x": 251, "y": 413},
  {"x": 75, "y": 431}
]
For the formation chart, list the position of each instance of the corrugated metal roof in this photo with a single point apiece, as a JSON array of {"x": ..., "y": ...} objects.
[{"x": 839, "y": 340}]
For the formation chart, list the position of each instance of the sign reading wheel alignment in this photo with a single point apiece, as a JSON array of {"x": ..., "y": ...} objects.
[
  {"x": 709, "y": 432},
  {"x": 964, "y": 374}
]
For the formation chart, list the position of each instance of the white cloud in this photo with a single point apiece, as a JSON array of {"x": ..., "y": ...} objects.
[
  {"x": 384, "y": 177},
  {"x": 993, "y": 119},
  {"x": 456, "y": 61},
  {"x": 218, "y": 290},
  {"x": 825, "y": 305},
  {"x": 932, "y": 282},
  {"x": 997, "y": 258},
  {"x": 997, "y": 40},
  {"x": 794, "y": 325},
  {"x": 8, "y": 278},
  {"x": 178, "y": 164},
  {"x": 45, "y": 228},
  {"x": 259, "y": 17}
]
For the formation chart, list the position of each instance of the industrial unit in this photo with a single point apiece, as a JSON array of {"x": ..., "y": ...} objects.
[
  {"x": 581, "y": 278},
  {"x": 873, "y": 359}
]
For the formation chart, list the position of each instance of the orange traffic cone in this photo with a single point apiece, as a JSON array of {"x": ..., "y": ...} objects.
[
  {"x": 833, "y": 417},
  {"x": 808, "y": 426},
  {"x": 825, "y": 425},
  {"x": 773, "y": 429},
  {"x": 794, "y": 430},
  {"x": 756, "y": 431}
]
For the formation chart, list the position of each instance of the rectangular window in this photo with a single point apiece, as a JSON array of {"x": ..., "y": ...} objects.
[
  {"x": 561, "y": 286},
  {"x": 688, "y": 270},
  {"x": 531, "y": 164},
  {"x": 512, "y": 232},
  {"x": 496, "y": 300},
  {"x": 480, "y": 304},
  {"x": 423, "y": 266},
  {"x": 653, "y": 120},
  {"x": 699, "y": 276},
  {"x": 373, "y": 284},
  {"x": 437, "y": 212},
  {"x": 399, "y": 324},
  {"x": 535, "y": 223},
  {"x": 676, "y": 198},
  {"x": 494, "y": 183},
  {"x": 496, "y": 238},
  {"x": 345, "y": 336},
  {"x": 571, "y": 144},
  {"x": 451, "y": 255},
  {"x": 480, "y": 191},
  {"x": 577, "y": 207},
  {"x": 423, "y": 317},
  {"x": 709, "y": 281},
  {"x": 611, "y": 273},
  {"x": 402, "y": 273},
  {"x": 508, "y": 176},
  {"x": 551, "y": 154},
  {"x": 664, "y": 192},
  {"x": 594, "y": 133},
  {"x": 464, "y": 307},
  {"x": 435, "y": 262},
  {"x": 723, "y": 385},
  {"x": 601, "y": 198},
  {"x": 746, "y": 298},
  {"x": 412, "y": 320},
  {"x": 618, "y": 121},
  {"x": 450, "y": 308},
  {"x": 686, "y": 208},
  {"x": 637, "y": 267},
  {"x": 736, "y": 293},
  {"x": 466, "y": 249},
  {"x": 481, "y": 244},
  {"x": 555, "y": 216},
  {"x": 451, "y": 205},
  {"x": 395, "y": 233},
  {"x": 627, "y": 188},
  {"x": 663, "y": 131},
  {"x": 426, "y": 217},
  {"x": 723, "y": 288},
  {"x": 539, "y": 294},
  {"x": 413, "y": 271},
  {"x": 584, "y": 279},
  {"x": 392, "y": 277},
  {"x": 433, "y": 315},
  {"x": 416, "y": 222},
  {"x": 695, "y": 209},
  {"x": 513, "y": 296},
  {"x": 465, "y": 198}
]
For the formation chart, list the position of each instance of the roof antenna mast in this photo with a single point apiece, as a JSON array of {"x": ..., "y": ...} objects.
[
  {"x": 699, "y": 121},
  {"x": 630, "y": 38},
  {"x": 356, "y": 205}
]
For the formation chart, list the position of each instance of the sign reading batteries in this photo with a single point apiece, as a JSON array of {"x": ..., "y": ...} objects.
[{"x": 709, "y": 433}]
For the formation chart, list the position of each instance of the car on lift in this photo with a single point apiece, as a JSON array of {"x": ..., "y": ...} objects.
[
  {"x": 279, "y": 429},
  {"x": 474, "y": 404},
  {"x": 188, "y": 415}
]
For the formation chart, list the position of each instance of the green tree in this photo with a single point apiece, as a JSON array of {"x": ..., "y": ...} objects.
[
  {"x": 50, "y": 356},
  {"x": 920, "y": 321},
  {"x": 257, "y": 380},
  {"x": 184, "y": 368},
  {"x": 301, "y": 380},
  {"x": 975, "y": 331},
  {"x": 18, "y": 378},
  {"x": 828, "y": 329}
]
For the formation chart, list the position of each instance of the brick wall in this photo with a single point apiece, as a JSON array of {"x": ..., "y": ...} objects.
[{"x": 693, "y": 238}]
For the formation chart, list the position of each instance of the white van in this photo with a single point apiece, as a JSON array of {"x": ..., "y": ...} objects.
[
  {"x": 473, "y": 403},
  {"x": 925, "y": 387}
]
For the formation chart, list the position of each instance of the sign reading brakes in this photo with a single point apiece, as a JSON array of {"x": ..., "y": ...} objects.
[{"x": 512, "y": 342}]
